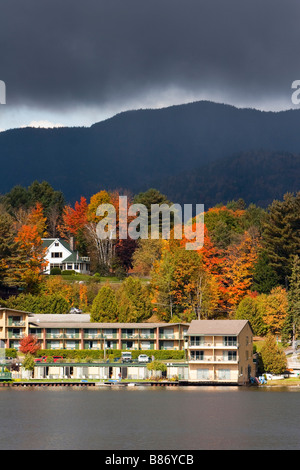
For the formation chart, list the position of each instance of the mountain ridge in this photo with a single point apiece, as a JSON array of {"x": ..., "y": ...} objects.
[{"x": 136, "y": 148}]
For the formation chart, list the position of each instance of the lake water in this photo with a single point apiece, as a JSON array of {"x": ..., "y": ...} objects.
[{"x": 143, "y": 418}]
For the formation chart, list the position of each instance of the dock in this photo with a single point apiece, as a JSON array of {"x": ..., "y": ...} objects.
[{"x": 86, "y": 384}]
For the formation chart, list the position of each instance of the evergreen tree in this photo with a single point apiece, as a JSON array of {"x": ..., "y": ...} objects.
[
  {"x": 134, "y": 301},
  {"x": 248, "y": 309},
  {"x": 105, "y": 307},
  {"x": 7, "y": 243},
  {"x": 281, "y": 234},
  {"x": 265, "y": 277},
  {"x": 273, "y": 358},
  {"x": 292, "y": 325}
]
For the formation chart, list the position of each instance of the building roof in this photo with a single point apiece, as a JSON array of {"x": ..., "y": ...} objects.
[
  {"x": 70, "y": 320},
  {"x": 216, "y": 327}
]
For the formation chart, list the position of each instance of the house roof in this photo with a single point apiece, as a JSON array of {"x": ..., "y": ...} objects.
[
  {"x": 47, "y": 242},
  {"x": 74, "y": 256},
  {"x": 216, "y": 327}
]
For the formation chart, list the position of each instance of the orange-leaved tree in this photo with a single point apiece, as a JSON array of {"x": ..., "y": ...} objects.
[
  {"x": 237, "y": 270},
  {"x": 28, "y": 262}
]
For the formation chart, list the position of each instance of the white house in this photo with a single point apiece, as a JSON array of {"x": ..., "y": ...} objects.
[{"x": 61, "y": 254}]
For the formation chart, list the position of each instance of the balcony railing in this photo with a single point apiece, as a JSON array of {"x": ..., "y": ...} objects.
[
  {"x": 12, "y": 335},
  {"x": 210, "y": 344},
  {"x": 16, "y": 323},
  {"x": 129, "y": 335},
  {"x": 214, "y": 359},
  {"x": 92, "y": 336}
]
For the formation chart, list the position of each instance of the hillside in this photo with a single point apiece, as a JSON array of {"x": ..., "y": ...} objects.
[
  {"x": 256, "y": 177},
  {"x": 135, "y": 149}
]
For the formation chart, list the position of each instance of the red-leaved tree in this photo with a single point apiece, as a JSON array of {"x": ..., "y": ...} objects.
[{"x": 29, "y": 345}]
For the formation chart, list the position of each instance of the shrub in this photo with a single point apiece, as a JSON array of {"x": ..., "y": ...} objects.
[
  {"x": 74, "y": 354},
  {"x": 28, "y": 362},
  {"x": 11, "y": 352},
  {"x": 55, "y": 271},
  {"x": 157, "y": 365},
  {"x": 98, "y": 354}
]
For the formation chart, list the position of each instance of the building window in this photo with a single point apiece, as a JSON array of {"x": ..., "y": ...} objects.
[
  {"x": 229, "y": 355},
  {"x": 197, "y": 341},
  {"x": 224, "y": 374},
  {"x": 56, "y": 244},
  {"x": 202, "y": 374},
  {"x": 229, "y": 341},
  {"x": 56, "y": 254},
  {"x": 197, "y": 355}
]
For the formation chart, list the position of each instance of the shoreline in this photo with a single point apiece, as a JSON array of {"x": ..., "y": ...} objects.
[{"x": 287, "y": 383}]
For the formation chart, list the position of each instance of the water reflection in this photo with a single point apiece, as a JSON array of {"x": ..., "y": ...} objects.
[{"x": 142, "y": 418}]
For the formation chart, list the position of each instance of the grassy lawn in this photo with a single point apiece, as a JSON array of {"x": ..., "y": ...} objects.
[
  {"x": 86, "y": 277},
  {"x": 293, "y": 381}
]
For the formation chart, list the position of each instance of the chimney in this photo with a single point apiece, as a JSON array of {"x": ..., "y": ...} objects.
[{"x": 72, "y": 243}]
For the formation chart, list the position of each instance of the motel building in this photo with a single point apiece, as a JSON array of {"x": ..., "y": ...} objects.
[
  {"x": 216, "y": 351},
  {"x": 220, "y": 352}
]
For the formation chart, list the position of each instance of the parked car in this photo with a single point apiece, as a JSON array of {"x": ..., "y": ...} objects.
[
  {"x": 75, "y": 310},
  {"x": 57, "y": 358},
  {"x": 126, "y": 356},
  {"x": 144, "y": 358},
  {"x": 44, "y": 358},
  {"x": 40, "y": 359}
]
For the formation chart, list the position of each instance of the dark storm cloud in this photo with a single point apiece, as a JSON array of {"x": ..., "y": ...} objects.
[{"x": 65, "y": 52}]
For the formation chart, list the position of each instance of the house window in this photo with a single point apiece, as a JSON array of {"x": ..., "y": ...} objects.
[
  {"x": 69, "y": 266},
  {"x": 76, "y": 266},
  {"x": 55, "y": 266},
  {"x": 56, "y": 244},
  {"x": 56, "y": 254}
]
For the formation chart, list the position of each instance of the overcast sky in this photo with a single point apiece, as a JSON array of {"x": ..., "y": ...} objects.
[{"x": 76, "y": 62}]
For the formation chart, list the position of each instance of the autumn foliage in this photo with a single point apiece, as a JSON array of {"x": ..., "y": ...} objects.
[{"x": 29, "y": 345}]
